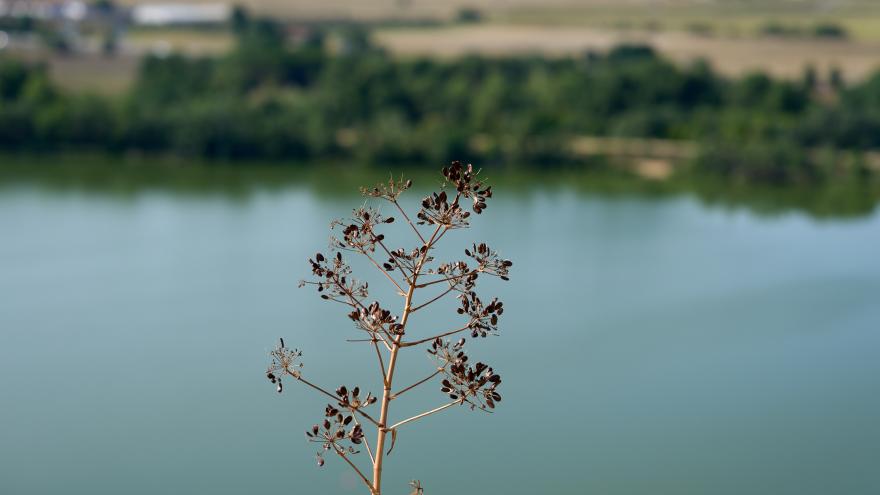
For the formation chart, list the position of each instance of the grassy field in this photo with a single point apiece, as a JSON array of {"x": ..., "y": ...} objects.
[
  {"x": 603, "y": 13},
  {"x": 727, "y": 33},
  {"x": 732, "y": 56},
  {"x": 860, "y": 19},
  {"x": 192, "y": 41}
]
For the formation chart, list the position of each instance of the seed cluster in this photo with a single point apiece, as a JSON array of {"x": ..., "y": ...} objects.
[
  {"x": 375, "y": 320},
  {"x": 437, "y": 210},
  {"x": 489, "y": 262},
  {"x": 484, "y": 319},
  {"x": 475, "y": 385},
  {"x": 284, "y": 361},
  {"x": 467, "y": 183},
  {"x": 335, "y": 430},
  {"x": 390, "y": 190},
  {"x": 359, "y": 233},
  {"x": 407, "y": 260},
  {"x": 334, "y": 279}
]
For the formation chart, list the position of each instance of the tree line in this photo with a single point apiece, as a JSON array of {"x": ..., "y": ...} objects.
[{"x": 268, "y": 100}]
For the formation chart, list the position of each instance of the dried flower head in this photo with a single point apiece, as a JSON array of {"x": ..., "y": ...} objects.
[
  {"x": 484, "y": 319},
  {"x": 375, "y": 320},
  {"x": 414, "y": 274},
  {"x": 333, "y": 279},
  {"x": 389, "y": 191},
  {"x": 468, "y": 184},
  {"x": 437, "y": 210},
  {"x": 359, "y": 233}
]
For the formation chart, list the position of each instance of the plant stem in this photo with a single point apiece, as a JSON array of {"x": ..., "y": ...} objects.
[
  {"x": 392, "y": 362},
  {"x": 386, "y": 399}
]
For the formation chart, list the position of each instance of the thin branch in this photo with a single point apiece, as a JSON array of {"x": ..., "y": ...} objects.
[
  {"x": 429, "y": 339},
  {"x": 428, "y": 413},
  {"x": 367, "y": 417},
  {"x": 391, "y": 257},
  {"x": 335, "y": 398},
  {"x": 373, "y": 336},
  {"x": 416, "y": 384},
  {"x": 341, "y": 453},
  {"x": 446, "y": 279},
  {"x": 399, "y": 289},
  {"x": 385, "y": 342},
  {"x": 357, "y": 302},
  {"x": 445, "y": 230},
  {"x": 381, "y": 361},
  {"x": 310, "y": 384},
  {"x": 447, "y": 291},
  {"x": 330, "y": 298},
  {"x": 366, "y": 442},
  {"x": 405, "y": 216}
]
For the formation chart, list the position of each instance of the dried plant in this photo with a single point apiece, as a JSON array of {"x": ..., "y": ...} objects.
[{"x": 412, "y": 272}]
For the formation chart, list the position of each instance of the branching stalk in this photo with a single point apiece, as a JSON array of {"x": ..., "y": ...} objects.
[
  {"x": 335, "y": 398},
  {"x": 427, "y": 413},
  {"x": 447, "y": 291},
  {"x": 416, "y": 384},
  {"x": 411, "y": 224},
  {"x": 467, "y": 382},
  {"x": 341, "y": 453},
  {"x": 435, "y": 337},
  {"x": 387, "y": 275},
  {"x": 447, "y": 279}
]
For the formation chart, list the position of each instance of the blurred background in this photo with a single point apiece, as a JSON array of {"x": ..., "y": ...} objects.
[{"x": 688, "y": 190}]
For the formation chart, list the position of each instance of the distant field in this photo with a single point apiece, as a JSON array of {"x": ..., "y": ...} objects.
[
  {"x": 727, "y": 33},
  {"x": 860, "y": 15},
  {"x": 860, "y": 19},
  {"x": 856, "y": 59},
  {"x": 192, "y": 41},
  {"x": 780, "y": 57}
]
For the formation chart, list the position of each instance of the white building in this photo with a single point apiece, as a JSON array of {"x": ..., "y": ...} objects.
[{"x": 165, "y": 14}]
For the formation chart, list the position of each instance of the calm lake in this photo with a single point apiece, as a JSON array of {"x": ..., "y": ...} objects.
[{"x": 650, "y": 345}]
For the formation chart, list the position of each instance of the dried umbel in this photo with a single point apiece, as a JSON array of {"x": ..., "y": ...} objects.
[{"x": 420, "y": 282}]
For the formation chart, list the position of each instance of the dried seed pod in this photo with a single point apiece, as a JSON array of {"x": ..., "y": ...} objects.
[{"x": 473, "y": 385}]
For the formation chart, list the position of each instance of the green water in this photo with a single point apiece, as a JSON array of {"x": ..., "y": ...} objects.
[{"x": 651, "y": 345}]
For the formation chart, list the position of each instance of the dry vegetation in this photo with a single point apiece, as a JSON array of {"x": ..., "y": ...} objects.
[
  {"x": 674, "y": 13},
  {"x": 724, "y": 32},
  {"x": 782, "y": 58}
]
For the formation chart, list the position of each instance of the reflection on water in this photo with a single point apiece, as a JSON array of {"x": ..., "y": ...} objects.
[
  {"x": 130, "y": 176},
  {"x": 650, "y": 344}
]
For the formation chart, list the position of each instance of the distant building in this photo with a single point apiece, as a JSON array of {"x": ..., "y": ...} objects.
[
  {"x": 168, "y": 14},
  {"x": 61, "y": 11}
]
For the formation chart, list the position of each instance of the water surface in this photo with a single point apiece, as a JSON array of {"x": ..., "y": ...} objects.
[{"x": 649, "y": 345}]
